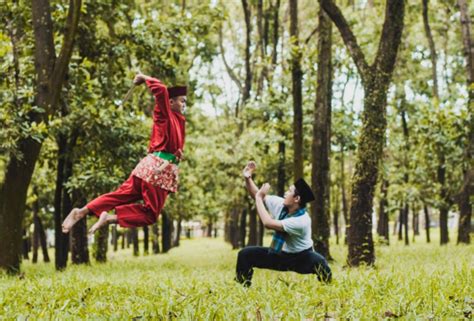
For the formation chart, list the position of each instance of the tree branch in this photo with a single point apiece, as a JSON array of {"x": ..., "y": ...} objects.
[
  {"x": 45, "y": 54},
  {"x": 61, "y": 65},
  {"x": 230, "y": 71},
  {"x": 348, "y": 37},
  {"x": 391, "y": 36}
]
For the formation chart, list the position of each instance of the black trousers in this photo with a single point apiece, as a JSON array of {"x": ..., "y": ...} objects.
[{"x": 305, "y": 262}]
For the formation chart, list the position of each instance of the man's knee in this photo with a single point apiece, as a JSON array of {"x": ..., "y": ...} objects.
[
  {"x": 323, "y": 271},
  {"x": 150, "y": 219},
  {"x": 321, "y": 268},
  {"x": 243, "y": 254}
]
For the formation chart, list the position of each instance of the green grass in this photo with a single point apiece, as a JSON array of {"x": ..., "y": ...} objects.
[{"x": 195, "y": 282}]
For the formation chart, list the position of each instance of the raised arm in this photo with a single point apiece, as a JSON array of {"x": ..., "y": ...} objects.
[
  {"x": 159, "y": 90},
  {"x": 249, "y": 183}
]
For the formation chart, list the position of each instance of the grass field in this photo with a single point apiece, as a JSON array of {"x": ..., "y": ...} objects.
[{"x": 195, "y": 282}]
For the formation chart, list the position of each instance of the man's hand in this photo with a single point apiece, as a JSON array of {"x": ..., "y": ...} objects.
[
  {"x": 179, "y": 154},
  {"x": 249, "y": 169},
  {"x": 139, "y": 79},
  {"x": 263, "y": 191}
]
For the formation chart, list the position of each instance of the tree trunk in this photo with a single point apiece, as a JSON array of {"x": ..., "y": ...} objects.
[
  {"x": 335, "y": 212},
  {"x": 227, "y": 229},
  {"x": 382, "y": 228},
  {"x": 145, "y": 240},
  {"x": 262, "y": 36},
  {"x": 321, "y": 139},
  {"x": 134, "y": 236},
  {"x": 252, "y": 226},
  {"x": 345, "y": 212},
  {"x": 276, "y": 27},
  {"x": 444, "y": 208},
  {"x": 101, "y": 244},
  {"x": 416, "y": 222},
  {"x": 465, "y": 209},
  {"x": 281, "y": 180},
  {"x": 50, "y": 74},
  {"x": 35, "y": 242},
  {"x": 234, "y": 228},
  {"x": 129, "y": 238},
  {"x": 115, "y": 237},
  {"x": 406, "y": 165},
  {"x": 178, "y": 232},
  {"x": 248, "y": 43},
  {"x": 405, "y": 223},
  {"x": 427, "y": 223},
  {"x": 61, "y": 240},
  {"x": 26, "y": 244},
  {"x": 296, "y": 76},
  {"x": 465, "y": 206},
  {"x": 433, "y": 55},
  {"x": 155, "y": 239},
  {"x": 243, "y": 228},
  {"x": 39, "y": 236},
  {"x": 401, "y": 217},
  {"x": 79, "y": 248},
  {"x": 209, "y": 229},
  {"x": 13, "y": 192},
  {"x": 376, "y": 79},
  {"x": 166, "y": 231},
  {"x": 261, "y": 233},
  {"x": 78, "y": 235}
]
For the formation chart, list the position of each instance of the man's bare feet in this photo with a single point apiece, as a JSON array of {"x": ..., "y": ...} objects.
[
  {"x": 104, "y": 219},
  {"x": 74, "y": 216}
]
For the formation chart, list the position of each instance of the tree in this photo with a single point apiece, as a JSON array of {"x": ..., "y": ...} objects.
[
  {"x": 376, "y": 79},
  {"x": 296, "y": 77},
  {"x": 464, "y": 198},
  {"x": 322, "y": 138},
  {"x": 50, "y": 73}
]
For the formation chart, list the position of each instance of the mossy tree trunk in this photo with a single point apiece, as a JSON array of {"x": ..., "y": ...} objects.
[
  {"x": 322, "y": 138},
  {"x": 376, "y": 79},
  {"x": 465, "y": 206}
]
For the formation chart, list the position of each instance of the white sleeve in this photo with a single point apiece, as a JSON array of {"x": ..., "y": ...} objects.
[
  {"x": 274, "y": 205},
  {"x": 294, "y": 225}
]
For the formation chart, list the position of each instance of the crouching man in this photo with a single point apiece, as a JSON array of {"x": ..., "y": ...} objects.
[{"x": 292, "y": 247}]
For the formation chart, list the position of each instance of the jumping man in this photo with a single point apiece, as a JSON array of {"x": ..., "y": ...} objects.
[{"x": 155, "y": 176}]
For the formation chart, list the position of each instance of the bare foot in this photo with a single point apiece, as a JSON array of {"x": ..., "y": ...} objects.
[
  {"x": 74, "y": 216},
  {"x": 103, "y": 220}
]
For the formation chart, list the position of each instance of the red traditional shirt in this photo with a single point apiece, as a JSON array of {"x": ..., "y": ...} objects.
[
  {"x": 168, "y": 130},
  {"x": 167, "y": 135}
]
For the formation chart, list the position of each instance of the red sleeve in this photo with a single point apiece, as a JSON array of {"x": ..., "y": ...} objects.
[{"x": 162, "y": 103}]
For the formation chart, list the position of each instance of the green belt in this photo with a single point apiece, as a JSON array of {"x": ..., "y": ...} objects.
[{"x": 167, "y": 156}]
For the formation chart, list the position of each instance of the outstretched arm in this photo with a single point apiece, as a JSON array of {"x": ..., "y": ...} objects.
[
  {"x": 159, "y": 90},
  {"x": 267, "y": 220},
  {"x": 249, "y": 183}
]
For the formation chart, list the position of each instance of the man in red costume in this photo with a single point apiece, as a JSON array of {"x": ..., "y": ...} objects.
[{"x": 155, "y": 176}]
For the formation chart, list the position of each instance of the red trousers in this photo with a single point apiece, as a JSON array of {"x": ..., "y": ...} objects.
[{"x": 129, "y": 213}]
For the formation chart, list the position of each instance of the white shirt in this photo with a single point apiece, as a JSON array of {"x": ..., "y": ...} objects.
[{"x": 298, "y": 228}]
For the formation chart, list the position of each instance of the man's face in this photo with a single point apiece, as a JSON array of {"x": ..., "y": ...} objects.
[
  {"x": 290, "y": 198},
  {"x": 178, "y": 104}
]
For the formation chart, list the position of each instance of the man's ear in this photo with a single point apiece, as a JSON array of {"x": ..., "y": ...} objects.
[{"x": 298, "y": 199}]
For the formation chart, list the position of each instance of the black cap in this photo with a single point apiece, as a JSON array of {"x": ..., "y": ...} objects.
[
  {"x": 177, "y": 91},
  {"x": 304, "y": 191}
]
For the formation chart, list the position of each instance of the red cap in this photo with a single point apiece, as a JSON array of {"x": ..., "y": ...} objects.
[{"x": 177, "y": 91}]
